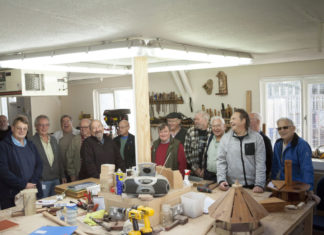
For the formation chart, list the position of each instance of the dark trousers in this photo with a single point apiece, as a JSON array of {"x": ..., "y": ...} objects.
[
  {"x": 7, "y": 203},
  {"x": 210, "y": 175}
]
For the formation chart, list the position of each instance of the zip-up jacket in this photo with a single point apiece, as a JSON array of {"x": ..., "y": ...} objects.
[
  {"x": 11, "y": 175},
  {"x": 242, "y": 158},
  {"x": 299, "y": 151}
]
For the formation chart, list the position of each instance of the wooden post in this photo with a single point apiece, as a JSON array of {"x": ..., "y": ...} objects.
[
  {"x": 288, "y": 172},
  {"x": 141, "y": 92},
  {"x": 249, "y": 101}
]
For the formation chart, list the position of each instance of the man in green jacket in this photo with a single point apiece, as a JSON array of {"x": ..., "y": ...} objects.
[{"x": 73, "y": 152}]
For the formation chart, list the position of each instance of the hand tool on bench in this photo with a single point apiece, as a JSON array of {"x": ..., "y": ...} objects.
[
  {"x": 207, "y": 188},
  {"x": 60, "y": 222},
  {"x": 178, "y": 219}
]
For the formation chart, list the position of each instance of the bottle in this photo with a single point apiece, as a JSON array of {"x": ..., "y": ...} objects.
[
  {"x": 186, "y": 181},
  {"x": 71, "y": 213},
  {"x": 166, "y": 215},
  {"x": 119, "y": 182}
]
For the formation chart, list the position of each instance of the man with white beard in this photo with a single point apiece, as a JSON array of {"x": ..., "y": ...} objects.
[{"x": 96, "y": 150}]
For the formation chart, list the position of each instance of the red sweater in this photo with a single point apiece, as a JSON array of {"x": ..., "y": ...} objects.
[{"x": 160, "y": 156}]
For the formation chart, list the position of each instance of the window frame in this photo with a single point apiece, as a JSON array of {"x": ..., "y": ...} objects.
[{"x": 305, "y": 80}]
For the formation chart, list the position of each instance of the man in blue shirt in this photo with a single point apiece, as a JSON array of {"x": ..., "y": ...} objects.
[
  {"x": 20, "y": 164},
  {"x": 291, "y": 147}
]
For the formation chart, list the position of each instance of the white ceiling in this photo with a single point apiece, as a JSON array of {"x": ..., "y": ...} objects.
[{"x": 271, "y": 30}]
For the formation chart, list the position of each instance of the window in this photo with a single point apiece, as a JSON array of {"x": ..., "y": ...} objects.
[
  {"x": 4, "y": 106},
  {"x": 302, "y": 100},
  {"x": 114, "y": 99}
]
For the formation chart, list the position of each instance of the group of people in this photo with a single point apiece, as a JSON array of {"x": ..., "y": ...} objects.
[
  {"x": 242, "y": 153},
  {"x": 46, "y": 160}
]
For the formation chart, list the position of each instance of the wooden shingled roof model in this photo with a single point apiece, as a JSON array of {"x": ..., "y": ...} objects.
[{"x": 237, "y": 207}]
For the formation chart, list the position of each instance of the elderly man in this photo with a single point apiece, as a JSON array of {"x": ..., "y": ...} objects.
[
  {"x": 125, "y": 141},
  {"x": 241, "y": 155},
  {"x": 72, "y": 155},
  {"x": 174, "y": 122},
  {"x": 48, "y": 150},
  {"x": 66, "y": 128},
  {"x": 64, "y": 138},
  {"x": 168, "y": 151},
  {"x": 96, "y": 150},
  {"x": 210, "y": 153},
  {"x": 255, "y": 120},
  {"x": 291, "y": 147},
  {"x": 4, "y": 127},
  {"x": 20, "y": 164},
  {"x": 195, "y": 142}
]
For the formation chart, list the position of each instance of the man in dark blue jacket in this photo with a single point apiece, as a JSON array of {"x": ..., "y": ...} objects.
[
  {"x": 126, "y": 144},
  {"x": 20, "y": 164},
  {"x": 291, "y": 147}
]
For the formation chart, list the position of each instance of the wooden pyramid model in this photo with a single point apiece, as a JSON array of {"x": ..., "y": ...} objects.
[{"x": 237, "y": 211}]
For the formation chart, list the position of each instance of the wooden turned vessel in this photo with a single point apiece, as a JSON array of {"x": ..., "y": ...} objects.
[{"x": 237, "y": 212}]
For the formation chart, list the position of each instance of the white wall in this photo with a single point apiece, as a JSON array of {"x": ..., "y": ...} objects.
[
  {"x": 239, "y": 79},
  {"x": 50, "y": 106}
]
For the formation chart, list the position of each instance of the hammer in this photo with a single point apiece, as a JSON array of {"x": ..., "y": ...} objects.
[
  {"x": 178, "y": 219},
  {"x": 207, "y": 188}
]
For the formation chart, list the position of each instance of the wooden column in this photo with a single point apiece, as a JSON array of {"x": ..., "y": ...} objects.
[
  {"x": 288, "y": 172},
  {"x": 249, "y": 101},
  {"x": 141, "y": 92}
]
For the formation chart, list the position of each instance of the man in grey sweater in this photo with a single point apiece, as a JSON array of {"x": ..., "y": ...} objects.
[
  {"x": 48, "y": 150},
  {"x": 241, "y": 155}
]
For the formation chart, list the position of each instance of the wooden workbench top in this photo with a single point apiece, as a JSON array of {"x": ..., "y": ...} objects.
[{"x": 275, "y": 223}]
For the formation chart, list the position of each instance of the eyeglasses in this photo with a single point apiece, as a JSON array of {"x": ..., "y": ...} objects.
[
  {"x": 283, "y": 127},
  {"x": 21, "y": 129}
]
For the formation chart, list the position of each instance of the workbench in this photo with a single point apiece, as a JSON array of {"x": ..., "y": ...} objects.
[{"x": 275, "y": 223}]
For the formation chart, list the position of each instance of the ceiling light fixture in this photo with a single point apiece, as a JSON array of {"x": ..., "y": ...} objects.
[{"x": 56, "y": 60}]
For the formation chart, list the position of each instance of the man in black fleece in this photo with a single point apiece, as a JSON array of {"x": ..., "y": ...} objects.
[{"x": 96, "y": 150}]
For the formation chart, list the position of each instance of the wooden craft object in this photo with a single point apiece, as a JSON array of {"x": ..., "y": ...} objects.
[
  {"x": 273, "y": 204},
  {"x": 237, "y": 211},
  {"x": 29, "y": 201},
  {"x": 288, "y": 190},
  {"x": 63, "y": 188},
  {"x": 6, "y": 224},
  {"x": 288, "y": 172},
  {"x": 174, "y": 177}
]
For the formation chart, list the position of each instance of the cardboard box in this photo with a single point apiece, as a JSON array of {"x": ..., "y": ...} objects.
[{"x": 172, "y": 198}]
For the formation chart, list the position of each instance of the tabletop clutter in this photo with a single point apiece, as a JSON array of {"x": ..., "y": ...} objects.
[{"x": 148, "y": 199}]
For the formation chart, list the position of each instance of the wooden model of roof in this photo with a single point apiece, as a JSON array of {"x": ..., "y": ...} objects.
[{"x": 237, "y": 207}]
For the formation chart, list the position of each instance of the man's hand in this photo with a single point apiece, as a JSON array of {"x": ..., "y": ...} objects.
[
  {"x": 64, "y": 181},
  {"x": 199, "y": 172},
  {"x": 224, "y": 186},
  {"x": 73, "y": 178},
  {"x": 30, "y": 185},
  {"x": 257, "y": 189}
]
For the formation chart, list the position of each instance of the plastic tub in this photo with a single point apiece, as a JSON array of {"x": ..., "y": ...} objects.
[{"x": 193, "y": 204}]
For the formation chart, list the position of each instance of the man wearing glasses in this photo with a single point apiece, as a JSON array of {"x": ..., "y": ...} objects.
[
  {"x": 73, "y": 163},
  {"x": 291, "y": 147},
  {"x": 20, "y": 164},
  {"x": 48, "y": 150}
]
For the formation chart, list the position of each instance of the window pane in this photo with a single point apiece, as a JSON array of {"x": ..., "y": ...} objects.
[
  {"x": 316, "y": 114},
  {"x": 283, "y": 99},
  {"x": 124, "y": 100},
  {"x": 106, "y": 101}
]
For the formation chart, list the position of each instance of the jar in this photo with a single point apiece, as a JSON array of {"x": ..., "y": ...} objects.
[
  {"x": 71, "y": 214},
  {"x": 166, "y": 215}
]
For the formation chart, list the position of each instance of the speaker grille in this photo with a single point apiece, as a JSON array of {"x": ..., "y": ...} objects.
[
  {"x": 161, "y": 187},
  {"x": 129, "y": 186}
]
